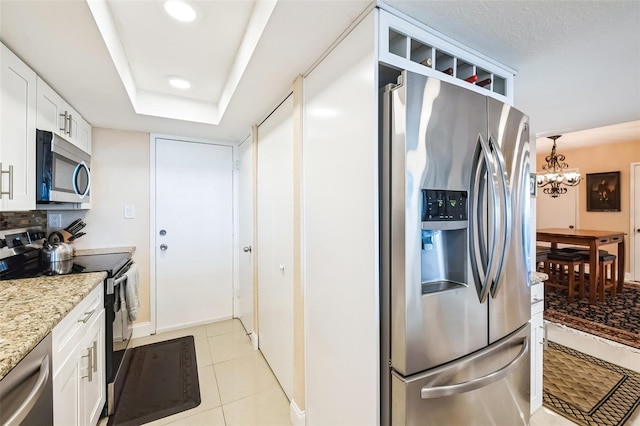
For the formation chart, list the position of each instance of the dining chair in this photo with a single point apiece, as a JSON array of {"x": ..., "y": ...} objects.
[{"x": 561, "y": 269}]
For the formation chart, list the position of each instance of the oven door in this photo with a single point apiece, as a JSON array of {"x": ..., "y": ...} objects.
[
  {"x": 118, "y": 337},
  {"x": 122, "y": 326}
]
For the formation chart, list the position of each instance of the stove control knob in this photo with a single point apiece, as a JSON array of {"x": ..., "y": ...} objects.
[{"x": 163, "y": 247}]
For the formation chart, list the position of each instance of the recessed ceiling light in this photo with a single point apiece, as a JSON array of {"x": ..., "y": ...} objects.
[
  {"x": 179, "y": 82},
  {"x": 180, "y": 10}
]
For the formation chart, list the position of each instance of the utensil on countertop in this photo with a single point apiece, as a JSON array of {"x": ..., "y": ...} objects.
[
  {"x": 55, "y": 237},
  {"x": 56, "y": 258},
  {"x": 72, "y": 225},
  {"x": 76, "y": 236},
  {"x": 75, "y": 226}
]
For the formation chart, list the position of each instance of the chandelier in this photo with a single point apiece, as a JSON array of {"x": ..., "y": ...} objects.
[{"x": 554, "y": 179}]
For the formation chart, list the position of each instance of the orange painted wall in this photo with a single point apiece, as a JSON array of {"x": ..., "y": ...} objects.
[{"x": 601, "y": 159}]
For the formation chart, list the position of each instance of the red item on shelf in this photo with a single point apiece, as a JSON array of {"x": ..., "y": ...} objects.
[
  {"x": 484, "y": 82},
  {"x": 471, "y": 79}
]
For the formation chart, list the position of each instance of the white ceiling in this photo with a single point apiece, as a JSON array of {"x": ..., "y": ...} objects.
[{"x": 577, "y": 62}]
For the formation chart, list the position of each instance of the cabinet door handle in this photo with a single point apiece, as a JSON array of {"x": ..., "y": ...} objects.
[
  {"x": 89, "y": 364},
  {"x": 536, "y": 300},
  {"x": 95, "y": 356},
  {"x": 87, "y": 315},
  {"x": 10, "y": 173},
  {"x": 64, "y": 123},
  {"x": 70, "y": 121}
]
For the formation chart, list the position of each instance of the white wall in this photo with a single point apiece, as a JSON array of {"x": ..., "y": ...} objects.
[
  {"x": 340, "y": 196},
  {"x": 119, "y": 176}
]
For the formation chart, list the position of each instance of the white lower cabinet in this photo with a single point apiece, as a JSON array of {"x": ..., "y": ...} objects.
[
  {"x": 537, "y": 344},
  {"x": 79, "y": 363}
]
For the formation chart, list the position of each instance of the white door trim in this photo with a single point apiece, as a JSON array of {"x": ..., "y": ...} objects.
[
  {"x": 152, "y": 217},
  {"x": 634, "y": 223}
]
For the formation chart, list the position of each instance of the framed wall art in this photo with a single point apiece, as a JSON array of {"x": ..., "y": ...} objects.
[
  {"x": 603, "y": 192},
  {"x": 533, "y": 185}
]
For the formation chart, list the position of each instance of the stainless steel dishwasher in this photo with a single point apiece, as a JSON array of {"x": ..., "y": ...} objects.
[{"x": 26, "y": 392}]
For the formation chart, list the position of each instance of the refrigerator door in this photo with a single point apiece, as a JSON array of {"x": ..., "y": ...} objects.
[
  {"x": 490, "y": 387},
  {"x": 509, "y": 304},
  {"x": 436, "y": 314}
]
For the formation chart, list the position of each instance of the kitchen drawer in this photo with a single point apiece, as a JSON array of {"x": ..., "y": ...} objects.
[
  {"x": 73, "y": 326},
  {"x": 537, "y": 298}
]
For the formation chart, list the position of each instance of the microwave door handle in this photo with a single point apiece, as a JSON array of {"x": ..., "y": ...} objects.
[{"x": 80, "y": 166}]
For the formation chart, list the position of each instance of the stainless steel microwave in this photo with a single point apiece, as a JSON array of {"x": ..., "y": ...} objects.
[{"x": 63, "y": 171}]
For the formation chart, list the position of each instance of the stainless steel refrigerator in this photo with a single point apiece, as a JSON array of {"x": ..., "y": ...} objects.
[{"x": 455, "y": 238}]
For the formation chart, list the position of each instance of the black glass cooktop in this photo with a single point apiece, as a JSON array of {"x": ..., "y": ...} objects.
[
  {"x": 26, "y": 265},
  {"x": 111, "y": 263}
]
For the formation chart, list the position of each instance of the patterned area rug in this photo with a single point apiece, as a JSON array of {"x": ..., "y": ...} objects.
[
  {"x": 588, "y": 390},
  {"x": 616, "y": 319},
  {"x": 162, "y": 380}
]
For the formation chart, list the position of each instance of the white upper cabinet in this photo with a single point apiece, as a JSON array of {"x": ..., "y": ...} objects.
[
  {"x": 17, "y": 133},
  {"x": 50, "y": 108},
  {"x": 56, "y": 115}
]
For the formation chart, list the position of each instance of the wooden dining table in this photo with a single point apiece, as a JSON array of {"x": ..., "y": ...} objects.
[{"x": 593, "y": 240}]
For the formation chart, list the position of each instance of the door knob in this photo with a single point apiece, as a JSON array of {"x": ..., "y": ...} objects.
[
  {"x": 570, "y": 226},
  {"x": 638, "y": 230},
  {"x": 163, "y": 247},
  {"x": 247, "y": 249}
]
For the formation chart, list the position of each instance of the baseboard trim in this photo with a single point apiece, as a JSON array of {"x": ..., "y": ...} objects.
[
  {"x": 254, "y": 340},
  {"x": 297, "y": 416},
  {"x": 141, "y": 330}
]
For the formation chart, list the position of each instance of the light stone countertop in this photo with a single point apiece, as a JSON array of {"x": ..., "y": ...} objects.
[
  {"x": 30, "y": 308},
  {"x": 538, "y": 277},
  {"x": 106, "y": 250}
]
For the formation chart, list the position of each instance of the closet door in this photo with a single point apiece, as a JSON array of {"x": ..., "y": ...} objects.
[{"x": 275, "y": 243}]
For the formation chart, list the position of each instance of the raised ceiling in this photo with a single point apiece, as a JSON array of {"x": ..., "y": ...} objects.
[{"x": 577, "y": 62}]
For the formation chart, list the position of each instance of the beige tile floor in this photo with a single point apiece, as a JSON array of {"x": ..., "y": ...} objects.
[{"x": 237, "y": 386}]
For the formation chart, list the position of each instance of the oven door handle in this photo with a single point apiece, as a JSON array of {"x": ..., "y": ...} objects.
[
  {"x": 30, "y": 401},
  {"x": 117, "y": 281}
]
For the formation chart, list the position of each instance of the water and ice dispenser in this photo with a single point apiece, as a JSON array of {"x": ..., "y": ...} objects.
[{"x": 444, "y": 240}]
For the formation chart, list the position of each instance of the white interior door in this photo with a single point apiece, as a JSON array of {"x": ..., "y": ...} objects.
[
  {"x": 635, "y": 230},
  {"x": 275, "y": 243},
  {"x": 559, "y": 212},
  {"x": 245, "y": 231},
  {"x": 193, "y": 233}
]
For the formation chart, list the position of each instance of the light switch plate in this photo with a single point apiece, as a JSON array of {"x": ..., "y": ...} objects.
[
  {"x": 129, "y": 211},
  {"x": 54, "y": 220}
]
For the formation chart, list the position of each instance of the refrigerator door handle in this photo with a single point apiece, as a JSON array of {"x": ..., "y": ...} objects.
[
  {"x": 477, "y": 249},
  {"x": 492, "y": 177},
  {"x": 505, "y": 215},
  {"x": 441, "y": 391}
]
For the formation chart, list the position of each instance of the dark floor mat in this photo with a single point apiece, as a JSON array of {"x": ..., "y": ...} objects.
[{"x": 162, "y": 380}]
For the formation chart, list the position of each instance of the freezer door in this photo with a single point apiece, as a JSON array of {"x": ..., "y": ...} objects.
[
  {"x": 509, "y": 304},
  {"x": 490, "y": 387},
  {"x": 436, "y": 312}
]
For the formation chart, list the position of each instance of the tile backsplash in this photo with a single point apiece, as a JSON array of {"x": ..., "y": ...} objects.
[{"x": 11, "y": 220}]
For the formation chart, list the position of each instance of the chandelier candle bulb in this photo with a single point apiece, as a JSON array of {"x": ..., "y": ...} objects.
[{"x": 554, "y": 175}]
